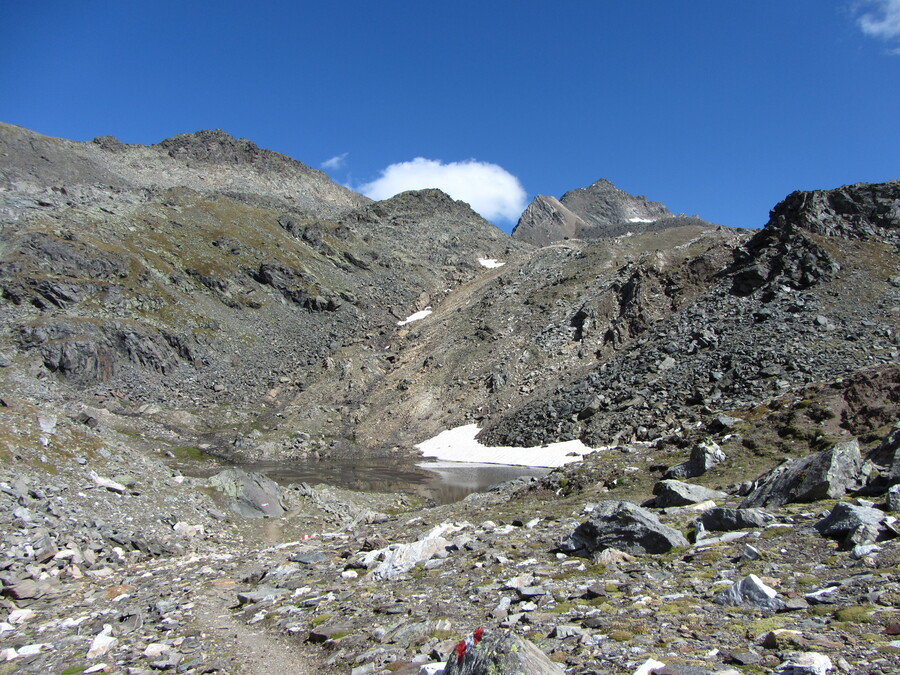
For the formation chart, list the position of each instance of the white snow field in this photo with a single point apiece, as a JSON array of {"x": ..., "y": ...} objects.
[{"x": 459, "y": 445}]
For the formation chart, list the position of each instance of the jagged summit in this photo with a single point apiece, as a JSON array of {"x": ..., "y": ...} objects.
[
  {"x": 598, "y": 211},
  {"x": 218, "y": 147},
  {"x": 867, "y": 211}
]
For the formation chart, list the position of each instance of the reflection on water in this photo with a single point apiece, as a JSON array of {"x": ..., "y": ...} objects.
[{"x": 442, "y": 482}]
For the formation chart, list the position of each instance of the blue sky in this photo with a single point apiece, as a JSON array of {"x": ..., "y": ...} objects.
[{"x": 717, "y": 108}]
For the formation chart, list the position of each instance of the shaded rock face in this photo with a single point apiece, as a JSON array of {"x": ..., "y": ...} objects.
[
  {"x": 546, "y": 220},
  {"x": 782, "y": 251},
  {"x": 782, "y": 254},
  {"x": 622, "y": 526},
  {"x": 598, "y": 211},
  {"x": 887, "y": 457},
  {"x": 826, "y": 475}
]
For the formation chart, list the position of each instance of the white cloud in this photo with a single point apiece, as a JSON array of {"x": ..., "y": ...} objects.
[
  {"x": 488, "y": 188},
  {"x": 883, "y": 21},
  {"x": 335, "y": 162}
]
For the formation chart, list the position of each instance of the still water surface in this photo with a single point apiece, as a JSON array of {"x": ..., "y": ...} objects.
[{"x": 442, "y": 482}]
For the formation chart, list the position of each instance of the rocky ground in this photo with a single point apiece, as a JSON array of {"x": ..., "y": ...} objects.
[{"x": 114, "y": 562}]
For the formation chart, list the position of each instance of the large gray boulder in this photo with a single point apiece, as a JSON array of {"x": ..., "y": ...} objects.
[
  {"x": 253, "y": 495},
  {"x": 826, "y": 475},
  {"x": 676, "y": 493},
  {"x": 726, "y": 520},
  {"x": 845, "y": 518},
  {"x": 704, "y": 456},
  {"x": 499, "y": 652},
  {"x": 623, "y": 526},
  {"x": 749, "y": 591}
]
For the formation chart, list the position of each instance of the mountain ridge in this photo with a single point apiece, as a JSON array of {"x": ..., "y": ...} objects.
[{"x": 237, "y": 308}]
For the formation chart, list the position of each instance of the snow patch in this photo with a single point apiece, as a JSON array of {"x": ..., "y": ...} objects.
[
  {"x": 490, "y": 263},
  {"x": 460, "y": 445},
  {"x": 641, "y": 220},
  {"x": 415, "y": 317}
]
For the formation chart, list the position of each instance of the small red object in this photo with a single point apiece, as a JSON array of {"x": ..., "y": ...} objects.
[
  {"x": 460, "y": 650},
  {"x": 478, "y": 634}
]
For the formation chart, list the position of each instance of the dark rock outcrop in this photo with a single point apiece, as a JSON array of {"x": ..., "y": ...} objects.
[
  {"x": 866, "y": 211},
  {"x": 887, "y": 458},
  {"x": 825, "y": 475},
  {"x": 845, "y": 518},
  {"x": 623, "y": 526}
]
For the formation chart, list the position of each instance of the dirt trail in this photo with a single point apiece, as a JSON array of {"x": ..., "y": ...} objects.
[{"x": 253, "y": 649}]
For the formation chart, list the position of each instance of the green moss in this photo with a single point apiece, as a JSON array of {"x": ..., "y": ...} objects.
[
  {"x": 854, "y": 614},
  {"x": 773, "y": 532},
  {"x": 319, "y": 619},
  {"x": 621, "y": 635},
  {"x": 189, "y": 452},
  {"x": 765, "y": 625},
  {"x": 74, "y": 670},
  {"x": 680, "y": 606}
]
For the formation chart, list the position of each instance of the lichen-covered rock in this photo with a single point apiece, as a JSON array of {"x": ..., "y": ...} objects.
[{"x": 845, "y": 518}]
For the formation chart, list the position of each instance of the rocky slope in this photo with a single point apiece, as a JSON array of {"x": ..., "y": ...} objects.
[
  {"x": 224, "y": 298},
  {"x": 793, "y": 308},
  {"x": 204, "y": 296},
  {"x": 599, "y": 211},
  {"x": 58, "y": 171}
]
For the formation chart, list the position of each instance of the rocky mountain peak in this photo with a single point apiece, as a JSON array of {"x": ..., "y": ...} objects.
[
  {"x": 604, "y": 205},
  {"x": 546, "y": 220},
  {"x": 866, "y": 211},
  {"x": 218, "y": 147},
  {"x": 598, "y": 211}
]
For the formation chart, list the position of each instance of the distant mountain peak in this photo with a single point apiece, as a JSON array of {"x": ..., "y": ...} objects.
[{"x": 598, "y": 211}]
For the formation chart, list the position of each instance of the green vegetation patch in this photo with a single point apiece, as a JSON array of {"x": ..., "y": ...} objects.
[{"x": 855, "y": 614}]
